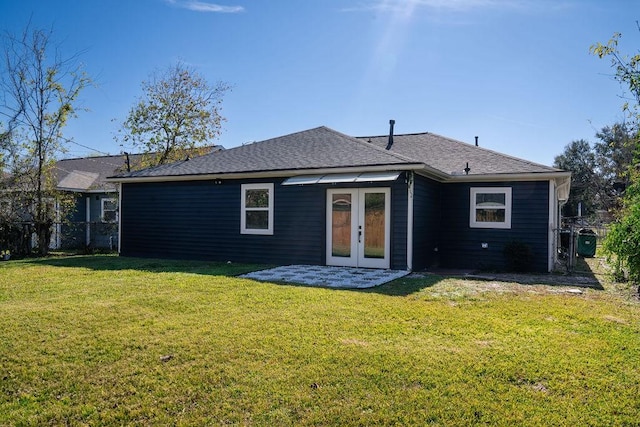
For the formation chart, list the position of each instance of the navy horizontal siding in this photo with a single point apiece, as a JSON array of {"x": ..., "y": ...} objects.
[
  {"x": 201, "y": 220},
  {"x": 461, "y": 246},
  {"x": 399, "y": 209},
  {"x": 426, "y": 222}
]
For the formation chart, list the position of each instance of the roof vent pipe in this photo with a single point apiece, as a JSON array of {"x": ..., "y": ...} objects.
[
  {"x": 476, "y": 141},
  {"x": 391, "y": 123}
]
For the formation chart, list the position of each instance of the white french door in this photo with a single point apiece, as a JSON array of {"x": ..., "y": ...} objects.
[{"x": 358, "y": 224}]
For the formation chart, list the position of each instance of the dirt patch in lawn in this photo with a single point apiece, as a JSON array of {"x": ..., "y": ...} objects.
[{"x": 588, "y": 273}]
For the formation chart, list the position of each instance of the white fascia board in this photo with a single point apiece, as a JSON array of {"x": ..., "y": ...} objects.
[
  {"x": 529, "y": 176},
  {"x": 432, "y": 173},
  {"x": 419, "y": 168},
  {"x": 79, "y": 190}
]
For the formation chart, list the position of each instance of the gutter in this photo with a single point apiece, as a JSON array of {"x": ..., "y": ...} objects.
[
  {"x": 559, "y": 176},
  {"x": 267, "y": 174},
  {"x": 80, "y": 190}
]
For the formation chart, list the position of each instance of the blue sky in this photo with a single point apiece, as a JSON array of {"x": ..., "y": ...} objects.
[{"x": 516, "y": 73}]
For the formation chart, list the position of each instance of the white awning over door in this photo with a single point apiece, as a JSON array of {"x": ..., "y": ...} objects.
[{"x": 342, "y": 178}]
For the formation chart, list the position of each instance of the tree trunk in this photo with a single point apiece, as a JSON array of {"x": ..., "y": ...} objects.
[{"x": 43, "y": 231}]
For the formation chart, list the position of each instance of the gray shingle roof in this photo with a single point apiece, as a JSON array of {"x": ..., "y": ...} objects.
[
  {"x": 324, "y": 148},
  {"x": 316, "y": 148},
  {"x": 450, "y": 156},
  {"x": 88, "y": 173}
]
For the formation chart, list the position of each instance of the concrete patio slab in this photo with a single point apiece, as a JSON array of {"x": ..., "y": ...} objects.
[{"x": 327, "y": 276}]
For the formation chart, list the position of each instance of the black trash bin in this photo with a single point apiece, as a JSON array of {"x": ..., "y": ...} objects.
[{"x": 587, "y": 241}]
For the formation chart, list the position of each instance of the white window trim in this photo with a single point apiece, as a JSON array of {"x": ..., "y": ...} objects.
[
  {"x": 102, "y": 203},
  {"x": 244, "y": 209},
  {"x": 494, "y": 190}
]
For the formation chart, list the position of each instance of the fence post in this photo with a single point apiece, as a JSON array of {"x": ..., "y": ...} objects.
[{"x": 572, "y": 249}]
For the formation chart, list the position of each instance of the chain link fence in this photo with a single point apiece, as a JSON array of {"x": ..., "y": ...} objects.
[
  {"x": 568, "y": 240},
  {"x": 19, "y": 238}
]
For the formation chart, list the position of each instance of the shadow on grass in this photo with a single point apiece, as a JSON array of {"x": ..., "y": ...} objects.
[
  {"x": 405, "y": 286},
  {"x": 152, "y": 265},
  {"x": 582, "y": 277},
  {"x": 401, "y": 287},
  {"x": 583, "y": 269}
]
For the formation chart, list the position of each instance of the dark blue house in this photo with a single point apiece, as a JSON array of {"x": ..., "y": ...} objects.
[{"x": 324, "y": 198}]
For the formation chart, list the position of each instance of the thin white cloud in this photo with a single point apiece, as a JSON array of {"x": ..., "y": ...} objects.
[
  {"x": 449, "y": 5},
  {"x": 201, "y": 6}
]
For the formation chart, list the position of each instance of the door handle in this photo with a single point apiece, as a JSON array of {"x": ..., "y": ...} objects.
[{"x": 359, "y": 233}]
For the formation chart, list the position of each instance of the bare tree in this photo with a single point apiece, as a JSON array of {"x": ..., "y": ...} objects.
[
  {"x": 39, "y": 92},
  {"x": 178, "y": 113}
]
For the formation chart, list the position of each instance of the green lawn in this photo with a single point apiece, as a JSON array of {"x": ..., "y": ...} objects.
[{"x": 104, "y": 340}]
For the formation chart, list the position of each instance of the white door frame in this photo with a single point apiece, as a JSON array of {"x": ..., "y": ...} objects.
[{"x": 357, "y": 256}]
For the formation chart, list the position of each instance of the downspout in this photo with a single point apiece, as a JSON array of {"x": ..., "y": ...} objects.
[
  {"x": 561, "y": 190},
  {"x": 119, "y": 217},
  {"x": 553, "y": 225}
]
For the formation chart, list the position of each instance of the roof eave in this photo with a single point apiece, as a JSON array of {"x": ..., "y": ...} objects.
[
  {"x": 524, "y": 176},
  {"x": 268, "y": 174},
  {"x": 86, "y": 190}
]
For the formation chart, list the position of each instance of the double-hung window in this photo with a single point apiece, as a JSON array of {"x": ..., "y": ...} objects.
[
  {"x": 109, "y": 210},
  {"x": 257, "y": 209},
  {"x": 490, "y": 207}
]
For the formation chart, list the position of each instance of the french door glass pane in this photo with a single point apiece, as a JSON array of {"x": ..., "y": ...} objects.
[
  {"x": 341, "y": 225},
  {"x": 374, "y": 222}
]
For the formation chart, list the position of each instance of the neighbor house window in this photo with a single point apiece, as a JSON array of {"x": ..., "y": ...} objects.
[
  {"x": 257, "y": 209},
  {"x": 109, "y": 210},
  {"x": 490, "y": 207}
]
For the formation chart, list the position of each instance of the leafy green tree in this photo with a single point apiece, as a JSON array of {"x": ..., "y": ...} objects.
[
  {"x": 627, "y": 70},
  {"x": 38, "y": 93},
  {"x": 622, "y": 244},
  {"x": 178, "y": 114},
  {"x": 614, "y": 155},
  {"x": 579, "y": 159}
]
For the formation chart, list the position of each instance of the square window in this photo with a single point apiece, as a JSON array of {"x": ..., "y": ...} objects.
[
  {"x": 256, "y": 209},
  {"x": 490, "y": 207}
]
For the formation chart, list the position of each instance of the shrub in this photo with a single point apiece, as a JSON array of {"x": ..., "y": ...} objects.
[
  {"x": 518, "y": 256},
  {"x": 622, "y": 246}
]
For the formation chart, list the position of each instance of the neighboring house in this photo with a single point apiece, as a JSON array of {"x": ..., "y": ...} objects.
[
  {"x": 324, "y": 198},
  {"x": 93, "y": 222}
]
